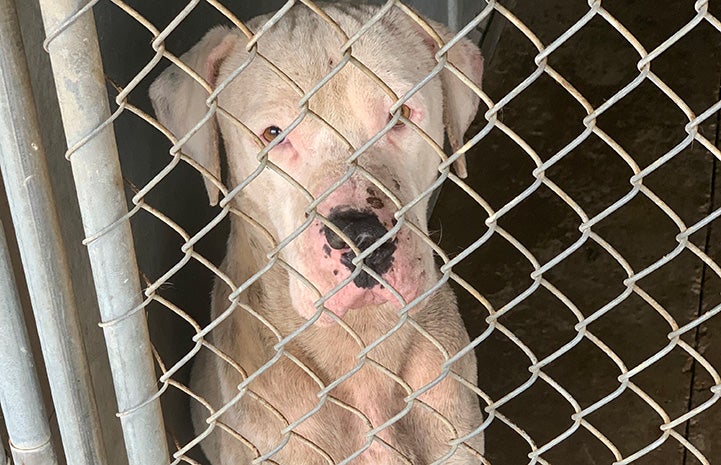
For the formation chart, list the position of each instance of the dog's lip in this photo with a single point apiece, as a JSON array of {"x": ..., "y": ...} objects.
[
  {"x": 352, "y": 297},
  {"x": 340, "y": 306},
  {"x": 400, "y": 281}
]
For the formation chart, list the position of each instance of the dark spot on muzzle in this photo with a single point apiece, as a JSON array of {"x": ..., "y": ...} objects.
[
  {"x": 375, "y": 202},
  {"x": 364, "y": 229}
]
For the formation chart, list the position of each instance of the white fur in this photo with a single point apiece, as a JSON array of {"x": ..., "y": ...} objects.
[{"x": 305, "y": 48}]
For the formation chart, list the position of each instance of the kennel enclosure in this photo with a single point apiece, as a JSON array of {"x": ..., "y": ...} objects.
[{"x": 582, "y": 247}]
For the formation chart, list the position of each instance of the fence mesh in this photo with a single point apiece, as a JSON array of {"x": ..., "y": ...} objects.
[{"x": 580, "y": 246}]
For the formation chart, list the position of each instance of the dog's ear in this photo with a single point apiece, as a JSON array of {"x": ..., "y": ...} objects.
[
  {"x": 179, "y": 101},
  {"x": 460, "y": 103}
]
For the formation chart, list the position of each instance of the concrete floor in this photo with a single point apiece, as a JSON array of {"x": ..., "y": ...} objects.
[{"x": 646, "y": 124}]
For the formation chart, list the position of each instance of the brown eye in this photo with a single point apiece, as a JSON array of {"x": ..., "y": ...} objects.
[
  {"x": 406, "y": 113},
  {"x": 271, "y": 133}
]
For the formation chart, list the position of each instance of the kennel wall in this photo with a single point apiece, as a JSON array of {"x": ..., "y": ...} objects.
[{"x": 582, "y": 245}]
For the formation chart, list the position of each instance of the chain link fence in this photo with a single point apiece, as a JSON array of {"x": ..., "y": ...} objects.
[{"x": 581, "y": 246}]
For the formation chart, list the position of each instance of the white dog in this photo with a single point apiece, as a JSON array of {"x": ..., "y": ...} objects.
[{"x": 325, "y": 206}]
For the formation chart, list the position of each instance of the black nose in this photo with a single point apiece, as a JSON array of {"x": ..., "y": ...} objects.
[{"x": 364, "y": 229}]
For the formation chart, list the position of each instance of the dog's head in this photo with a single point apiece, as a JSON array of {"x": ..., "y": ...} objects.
[{"x": 316, "y": 190}]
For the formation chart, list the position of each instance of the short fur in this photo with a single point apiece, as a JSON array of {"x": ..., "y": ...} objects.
[{"x": 305, "y": 48}]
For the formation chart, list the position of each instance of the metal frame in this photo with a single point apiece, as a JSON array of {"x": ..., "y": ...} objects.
[
  {"x": 45, "y": 265},
  {"x": 20, "y": 395},
  {"x": 75, "y": 57}
]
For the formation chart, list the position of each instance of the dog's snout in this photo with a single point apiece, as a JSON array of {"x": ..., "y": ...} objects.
[{"x": 363, "y": 228}]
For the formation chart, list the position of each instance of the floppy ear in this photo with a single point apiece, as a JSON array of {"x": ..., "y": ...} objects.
[
  {"x": 460, "y": 103},
  {"x": 179, "y": 101}
]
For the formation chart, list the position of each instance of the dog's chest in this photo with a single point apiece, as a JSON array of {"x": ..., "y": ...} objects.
[
  {"x": 370, "y": 384},
  {"x": 374, "y": 392},
  {"x": 377, "y": 399}
]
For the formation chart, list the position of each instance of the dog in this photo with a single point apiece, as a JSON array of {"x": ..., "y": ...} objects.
[{"x": 334, "y": 349}]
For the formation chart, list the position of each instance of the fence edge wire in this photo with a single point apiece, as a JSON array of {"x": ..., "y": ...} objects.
[
  {"x": 20, "y": 395},
  {"x": 48, "y": 278},
  {"x": 80, "y": 85}
]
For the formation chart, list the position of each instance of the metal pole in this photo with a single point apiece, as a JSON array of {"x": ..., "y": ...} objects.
[
  {"x": 27, "y": 184},
  {"x": 80, "y": 84},
  {"x": 20, "y": 396},
  {"x": 453, "y": 15}
]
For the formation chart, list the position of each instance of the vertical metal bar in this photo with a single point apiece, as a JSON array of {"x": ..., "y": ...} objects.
[
  {"x": 27, "y": 184},
  {"x": 78, "y": 72},
  {"x": 454, "y": 15},
  {"x": 20, "y": 395}
]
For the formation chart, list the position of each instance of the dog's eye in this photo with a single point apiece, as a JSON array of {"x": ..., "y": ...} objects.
[
  {"x": 405, "y": 112},
  {"x": 271, "y": 133}
]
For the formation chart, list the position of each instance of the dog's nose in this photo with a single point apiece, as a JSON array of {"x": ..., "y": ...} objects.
[{"x": 364, "y": 229}]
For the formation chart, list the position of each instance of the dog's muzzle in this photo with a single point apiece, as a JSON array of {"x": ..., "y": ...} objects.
[{"x": 363, "y": 228}]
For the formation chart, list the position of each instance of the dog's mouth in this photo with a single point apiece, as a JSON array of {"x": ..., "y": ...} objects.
[
  {"x": 391, "y": 273},
  {"x": 394, "y": 269}
]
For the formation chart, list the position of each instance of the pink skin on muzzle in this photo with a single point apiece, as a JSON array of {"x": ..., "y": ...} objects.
[
  {"x": 402, "y": 276},
  {"x": 322, "y": 264}
]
